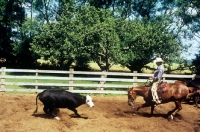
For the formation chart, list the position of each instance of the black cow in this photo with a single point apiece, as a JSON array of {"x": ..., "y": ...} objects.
[{"x": 57, "y": 98}]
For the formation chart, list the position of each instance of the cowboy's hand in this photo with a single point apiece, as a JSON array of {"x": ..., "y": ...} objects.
[{"x": 151, "y": 78}]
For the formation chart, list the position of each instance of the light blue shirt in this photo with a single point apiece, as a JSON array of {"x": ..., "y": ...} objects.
[{"x": 158, "y": 73}]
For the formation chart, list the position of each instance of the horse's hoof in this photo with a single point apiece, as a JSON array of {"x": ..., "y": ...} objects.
[
  {"x": 134, "y": 114},
  {"x": 170, "y": 117}
]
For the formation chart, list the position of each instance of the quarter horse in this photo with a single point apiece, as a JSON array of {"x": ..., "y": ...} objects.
[{"x": 170, "y": 92}]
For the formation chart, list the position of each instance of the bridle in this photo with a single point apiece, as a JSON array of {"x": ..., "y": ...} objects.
[{"x": 131, "y": 99}]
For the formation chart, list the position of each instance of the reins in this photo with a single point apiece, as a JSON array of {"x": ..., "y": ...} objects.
[{"x": 147, "y": 83}]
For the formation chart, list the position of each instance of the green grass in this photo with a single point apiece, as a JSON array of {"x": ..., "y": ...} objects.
[
  {"x": 119, "y": 68},
  {"x": 17, "y": 92}
]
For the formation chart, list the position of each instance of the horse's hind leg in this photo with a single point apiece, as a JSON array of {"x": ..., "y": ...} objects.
[
  {"x": 176, "y": 110},
  {"x": 196, "y": 100}
]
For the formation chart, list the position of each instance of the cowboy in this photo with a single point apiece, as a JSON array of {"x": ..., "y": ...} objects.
[{"x": 156, "y": 80}]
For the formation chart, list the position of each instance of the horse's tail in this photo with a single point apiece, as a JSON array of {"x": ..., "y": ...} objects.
[{"x": 35, "y": 112}]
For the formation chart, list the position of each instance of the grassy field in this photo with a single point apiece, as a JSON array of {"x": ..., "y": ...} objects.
[{"x": 119, "y": 68}]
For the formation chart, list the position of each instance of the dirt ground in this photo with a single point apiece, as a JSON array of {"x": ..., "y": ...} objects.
[{"x": 110, "y": 114}]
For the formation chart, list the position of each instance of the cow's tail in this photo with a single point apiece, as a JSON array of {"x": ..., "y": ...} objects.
[{"x": 35, "y": 112}]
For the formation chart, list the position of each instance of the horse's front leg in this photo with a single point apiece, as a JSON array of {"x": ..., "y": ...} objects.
[
  {"x": 152, "y": 109},
  {"x": 142, "y": 106},
  {"x": 133, "y": 110},
  {"x": 175, "y": 111}
]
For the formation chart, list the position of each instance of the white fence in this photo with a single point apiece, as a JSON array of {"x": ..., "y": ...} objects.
[{"x": 74, "y": 79}]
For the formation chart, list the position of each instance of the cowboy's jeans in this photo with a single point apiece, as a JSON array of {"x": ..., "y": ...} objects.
[{"x": 154, "y": 90}]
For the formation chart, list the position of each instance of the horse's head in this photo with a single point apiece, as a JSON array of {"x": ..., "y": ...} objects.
[{"x": 131, "y": 96}]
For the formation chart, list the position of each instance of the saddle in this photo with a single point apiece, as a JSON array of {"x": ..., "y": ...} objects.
[{"x": 162, "y": 87}]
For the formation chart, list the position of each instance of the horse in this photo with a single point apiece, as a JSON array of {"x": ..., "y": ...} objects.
[
  {"x": 194, "y": 90},
  {"x": 170, "y": 92}
]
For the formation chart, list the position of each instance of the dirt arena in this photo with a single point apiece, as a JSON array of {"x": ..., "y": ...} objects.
[{"x": 110, "y": 114}]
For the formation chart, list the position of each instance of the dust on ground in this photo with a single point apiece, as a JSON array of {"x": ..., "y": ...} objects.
[{"x": 110, "y": 114}]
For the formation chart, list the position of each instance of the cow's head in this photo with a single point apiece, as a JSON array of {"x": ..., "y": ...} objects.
[{"x": 89, "y": 101}]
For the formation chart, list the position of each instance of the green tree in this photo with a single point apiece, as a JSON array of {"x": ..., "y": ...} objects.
[
  {"x": 55, "y": 43},
  {"x": 88, "y": 33},
  {"x": 196, "y": 63},
  {"x": 99, "y": 42},
  {"x": 12, "y": 15},
  {"x": 144, "y": 41},
  {"x": 102, "y": 33},
  {"x": 98, "y": 3},
  {"x": 196, "y": 30},
  {"x": 21, "y": 47}
]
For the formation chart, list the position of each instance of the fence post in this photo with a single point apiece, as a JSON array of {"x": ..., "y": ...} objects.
[
  {"x": 134, "y": 79},
  {"x": 163, "y": 79},
  {"x": 194, "y": 76},
  {"x": 3, "y": 80},
  {"x": 102, "y": 82},
  {"x": 36, "y": 80},
  {"x": 71, "y": 75}
]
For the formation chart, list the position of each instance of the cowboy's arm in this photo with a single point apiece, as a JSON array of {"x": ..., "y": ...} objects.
[{"x": 159, "y": 75}]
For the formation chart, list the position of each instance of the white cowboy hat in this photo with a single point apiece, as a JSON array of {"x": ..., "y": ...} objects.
[{"x": 158, "y": 60}]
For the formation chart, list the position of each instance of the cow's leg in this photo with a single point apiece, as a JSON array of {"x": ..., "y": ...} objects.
[
  {"x": 56, "y": 111},
  {"x": 46, "y": 109},
  {"x": 51, "y": 111},
  {"x": 75, "y": 111}
]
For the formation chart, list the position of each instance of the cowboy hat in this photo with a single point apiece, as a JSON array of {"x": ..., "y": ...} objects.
[{"x": 158, "y": 60}]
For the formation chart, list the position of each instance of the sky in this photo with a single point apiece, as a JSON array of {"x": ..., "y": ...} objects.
[{"x": 193, "y": 49}]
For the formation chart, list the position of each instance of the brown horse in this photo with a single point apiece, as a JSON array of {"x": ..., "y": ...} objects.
[{"x": 175, "y": 92}]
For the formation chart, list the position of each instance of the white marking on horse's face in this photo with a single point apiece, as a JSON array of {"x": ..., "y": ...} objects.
[{"x": 89, "y": 101}]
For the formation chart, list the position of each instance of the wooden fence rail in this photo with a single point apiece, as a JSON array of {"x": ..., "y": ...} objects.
[{"x": 96, "y": 80}]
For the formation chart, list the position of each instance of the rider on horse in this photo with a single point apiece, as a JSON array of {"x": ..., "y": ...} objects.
[{"x": 156, "y": 80}]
